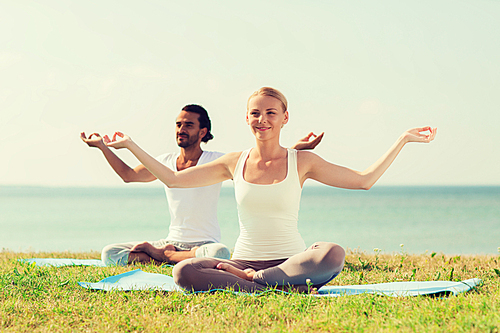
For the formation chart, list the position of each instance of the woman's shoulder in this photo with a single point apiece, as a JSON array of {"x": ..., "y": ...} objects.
[
  {"x": 306, "y": 155},
  {"x": 307, "y": 158},
  {"x": 231, "y": 157},
  {"x": 234, "y": 154},
  {"x": 230, "y": 160}
]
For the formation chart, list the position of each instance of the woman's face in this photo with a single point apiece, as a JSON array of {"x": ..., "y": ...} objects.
[{"x": 265, "y": 116}]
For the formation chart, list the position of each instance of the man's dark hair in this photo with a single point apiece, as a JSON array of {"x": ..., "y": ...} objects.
[{"x": 202, "y": 118}]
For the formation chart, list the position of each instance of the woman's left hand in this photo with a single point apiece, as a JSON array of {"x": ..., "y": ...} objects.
[
  {"x": 420, "y": 134},
  {"x": 119, "y": 141}
]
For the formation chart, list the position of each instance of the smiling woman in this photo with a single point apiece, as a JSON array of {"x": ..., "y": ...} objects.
[
  {"x": 266, "y": 115},
  {"x": 268, "y": 181}
]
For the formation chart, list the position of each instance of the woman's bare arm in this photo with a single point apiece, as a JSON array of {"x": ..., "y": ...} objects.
[
  {"x": 316, "y": 168},
  {"x": 203, "y": 175}
]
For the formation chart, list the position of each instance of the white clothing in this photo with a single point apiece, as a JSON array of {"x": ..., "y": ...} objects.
[
  {"x": 268, "y": 214},
  {"x": 193, "y": 211},
  {"x": 117, "y": 254}
]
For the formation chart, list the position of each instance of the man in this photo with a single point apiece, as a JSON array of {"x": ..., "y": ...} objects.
[{"x": 194, "y": 230}]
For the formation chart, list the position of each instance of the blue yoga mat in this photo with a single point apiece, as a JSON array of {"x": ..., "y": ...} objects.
[
  {"x": 399, "y": 289},
  {"x": 139, "y": 280},
  {"x": 60, "y": 262},
  {"x": 134, "y": 280}
]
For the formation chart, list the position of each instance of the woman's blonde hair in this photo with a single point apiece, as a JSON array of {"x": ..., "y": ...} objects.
[{"x": 267, "y": 91}]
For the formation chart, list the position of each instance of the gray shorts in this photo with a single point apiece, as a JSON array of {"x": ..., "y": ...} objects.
[{"x": 117, "y": 254}]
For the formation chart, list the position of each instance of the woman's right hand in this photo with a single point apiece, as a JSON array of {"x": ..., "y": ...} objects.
[{"x": 119, "y": 141}]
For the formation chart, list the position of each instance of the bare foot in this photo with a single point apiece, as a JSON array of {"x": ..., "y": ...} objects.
[
  {"x": 158, "y": 254},
  {"x": 142, "y": 247},
  {"x": 246, "y": 274},
  {"x": 172, "y": 255}
]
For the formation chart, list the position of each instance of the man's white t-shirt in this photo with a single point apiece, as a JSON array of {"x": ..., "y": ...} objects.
[{"x": 193, "y": 211}]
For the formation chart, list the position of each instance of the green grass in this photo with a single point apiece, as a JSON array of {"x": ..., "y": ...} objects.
[{"x": 49, "y": 299}]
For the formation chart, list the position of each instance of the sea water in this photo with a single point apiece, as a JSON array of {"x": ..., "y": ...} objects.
[{"x": 451, "y": 220}]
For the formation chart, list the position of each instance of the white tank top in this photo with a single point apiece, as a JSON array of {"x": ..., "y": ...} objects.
[
  {"x": 268, "y": 214},
  {"x": 193, "y": 211}
]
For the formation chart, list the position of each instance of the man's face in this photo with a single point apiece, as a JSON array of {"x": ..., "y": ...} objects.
[{"x": 187, "y": 129}]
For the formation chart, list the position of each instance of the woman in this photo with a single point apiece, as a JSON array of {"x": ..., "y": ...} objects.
[{"x": 268, "y": 180}]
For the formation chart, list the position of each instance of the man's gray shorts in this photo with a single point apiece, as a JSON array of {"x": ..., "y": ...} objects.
[{"x": 117, "y": 254}]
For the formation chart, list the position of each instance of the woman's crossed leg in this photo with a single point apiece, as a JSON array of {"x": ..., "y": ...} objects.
[{"x": 320, "y": 263}]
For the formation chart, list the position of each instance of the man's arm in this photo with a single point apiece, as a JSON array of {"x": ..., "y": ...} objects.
[
  {"x": 305, "y": 144},
  {"x": 129, "y": 175}
]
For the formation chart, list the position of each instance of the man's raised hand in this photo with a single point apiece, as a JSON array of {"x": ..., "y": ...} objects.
[
  {"x": 305, "y": 144},
  {"x": 94, "y": 140}
]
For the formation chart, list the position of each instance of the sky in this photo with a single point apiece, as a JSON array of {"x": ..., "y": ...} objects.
[{"x": 363, "y": 72}]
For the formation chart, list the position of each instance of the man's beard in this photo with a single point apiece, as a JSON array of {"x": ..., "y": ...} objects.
[{"x": 191, "y": 140}]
